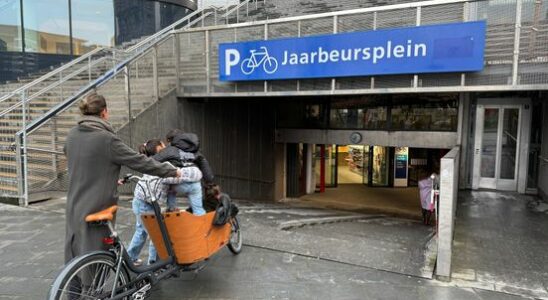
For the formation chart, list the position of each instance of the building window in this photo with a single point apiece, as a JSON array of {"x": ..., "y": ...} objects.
[
  {"x": 351, "y": 118},
  {"x": 395, "y": 112},
  {"x": 375, "y": 117},
  {"x": 10, "y": 25},
  {"x": 46, "y": 26},
  {"x": 436, "y": 116},
  {"x": 92, "y": 25}
]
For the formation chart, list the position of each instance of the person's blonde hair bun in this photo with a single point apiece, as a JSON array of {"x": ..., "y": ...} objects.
[{"x": 92, "y": 105}]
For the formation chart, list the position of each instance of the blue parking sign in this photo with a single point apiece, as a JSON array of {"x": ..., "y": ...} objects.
[{"x": 455, "y": 47}]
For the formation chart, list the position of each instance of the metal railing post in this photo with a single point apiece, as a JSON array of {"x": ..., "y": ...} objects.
[
  {"x": 155, "y": 72},
  {"x": 237, "y": 15},
  {"x": 335, "y": 31},
  {"x": 298, "y": 35},
  {"x": 417, "y": 23},
  {"x": 465, "y": 18},
  {"x": 177, "y": 49},
  {"x": 127, "y": 75},
  {"x": 207, "y": 63},
  {"x": 203, "y": 19},
  {"x": 61, "y": 86},
  {"x": 372, "y": 84},
  {"x": 54, "y": 141},
  {"x": 89, "y": 69},
  {"x": 19, "y": 169},
  {"x": 24, "y": 151},
  {"x": 266, "y": 38},
  {"x": 517, "y": 36}
]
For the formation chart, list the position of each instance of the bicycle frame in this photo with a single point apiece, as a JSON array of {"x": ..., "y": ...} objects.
[
  {"x": 145, "y": 271},
  {"x": 254, "y": 55}
]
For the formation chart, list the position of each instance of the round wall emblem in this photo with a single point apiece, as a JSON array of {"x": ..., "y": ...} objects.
[{"x": 355, "y": 137}]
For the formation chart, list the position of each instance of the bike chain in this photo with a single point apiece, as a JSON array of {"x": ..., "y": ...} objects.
[{"x": 142, "y": 293}]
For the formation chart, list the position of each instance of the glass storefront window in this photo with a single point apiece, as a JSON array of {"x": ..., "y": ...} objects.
[
  {"x": 10, "y": 25},
  {"x": 347, "y": 118},
  {"x": 424, "y": 117},
  {"x": 46, "y": 26},
  {"x": 92, "y": 25},
  {"x": 375, "y": 117}
]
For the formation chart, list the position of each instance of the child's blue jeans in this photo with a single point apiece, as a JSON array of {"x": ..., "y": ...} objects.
[
  {"x": 140, "y": 235},
  {"x": 193, "y": 190}
]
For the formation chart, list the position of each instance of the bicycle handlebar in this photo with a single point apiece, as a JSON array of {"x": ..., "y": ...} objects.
[{"x": 147, "y": 184}]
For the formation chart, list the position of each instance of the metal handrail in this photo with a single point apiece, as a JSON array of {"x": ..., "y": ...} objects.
[
  {"x": 157, "y": 37},
  {"x": 93, "y": 85},
  {"x": 163, "y": 31},
  {"x": 91, "y": 53},
  {"x": 52, "y": 73},
  {"x": 45, "y": 150},
  {"x": 49, "y": 87},
  {"x": 235, "y": 8}
]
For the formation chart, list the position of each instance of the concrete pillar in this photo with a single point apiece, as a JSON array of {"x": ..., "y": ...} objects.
[
  {"x": 543, "y": 168},
  {"x": 280, "y": 172},
  {"x": 463, "y": 138},
  {"x": 449, "y": 178},
  {"x": 310, "y": 178}
]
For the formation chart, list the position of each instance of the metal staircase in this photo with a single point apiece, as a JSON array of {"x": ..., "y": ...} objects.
[{"x": 35, "y": 116}]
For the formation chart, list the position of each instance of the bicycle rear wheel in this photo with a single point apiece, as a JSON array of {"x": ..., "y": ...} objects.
[{"x": 89, "y": 277}]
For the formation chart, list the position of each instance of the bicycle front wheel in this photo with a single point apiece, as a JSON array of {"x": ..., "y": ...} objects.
[
  {"x": 235, "y": 242},
  {"x": 89, "y": 277}
]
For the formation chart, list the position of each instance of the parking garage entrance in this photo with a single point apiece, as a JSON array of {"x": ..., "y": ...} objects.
[{"x": 365, "y": 178}]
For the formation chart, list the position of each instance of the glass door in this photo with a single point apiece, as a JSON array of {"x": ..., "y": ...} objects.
[
  {"x": 496, "y": 150},
  {"x": 365, "y": 164},
  {"x": 325, "y": 164},
  {"x": 380, "y": 166}
]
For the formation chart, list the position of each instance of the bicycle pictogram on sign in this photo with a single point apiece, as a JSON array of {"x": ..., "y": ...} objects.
[{"x": 258, "y": 58}]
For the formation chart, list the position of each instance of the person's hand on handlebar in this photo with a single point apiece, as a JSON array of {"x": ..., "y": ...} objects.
[{"x": 179, "y": 173}]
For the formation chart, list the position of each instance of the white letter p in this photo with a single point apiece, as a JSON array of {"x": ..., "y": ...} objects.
[{"x": 232, "y": 58}]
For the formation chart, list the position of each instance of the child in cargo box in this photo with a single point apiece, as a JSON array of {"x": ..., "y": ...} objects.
[
  {"x": 190, "y": 174},
  {"x": 184, "y": 151}
]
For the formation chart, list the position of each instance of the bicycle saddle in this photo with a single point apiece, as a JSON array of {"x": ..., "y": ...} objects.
[{"x": 104, "y": 215}]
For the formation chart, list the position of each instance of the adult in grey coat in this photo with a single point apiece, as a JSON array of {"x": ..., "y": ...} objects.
[{"x": 95, "y": 155}]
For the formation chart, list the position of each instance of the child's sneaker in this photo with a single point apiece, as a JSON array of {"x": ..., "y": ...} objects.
[
  {"x": 173, "y": 209},
  {"x": 138, "y": 262}
]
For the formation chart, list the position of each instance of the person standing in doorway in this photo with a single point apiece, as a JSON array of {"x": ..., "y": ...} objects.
[{"x": 95, "y": 155}]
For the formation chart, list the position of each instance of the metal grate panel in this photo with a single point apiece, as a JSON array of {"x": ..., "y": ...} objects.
[
  {"x": 217, "y": 37},
  {"x": 396, "y": 18},
  {"x": 500, "y": 16},
  {"x": 193, "y": 62},
  {"x": 533, "y": 50},
  {"x": 439, "y": 14},
  {"x": 358, "y": 22},
  {"x": 316, "y": 26}
]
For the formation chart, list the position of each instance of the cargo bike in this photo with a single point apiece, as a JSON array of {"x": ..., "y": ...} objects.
[{"x": 183, "y": 241}]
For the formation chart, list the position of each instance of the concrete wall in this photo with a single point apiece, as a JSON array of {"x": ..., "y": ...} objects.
[
  {"x": 543, "y": 170},
  {"x": 449, "y": 180},
  {"x": 385, "y": 138},
  {"x": 237, "y": 138}
]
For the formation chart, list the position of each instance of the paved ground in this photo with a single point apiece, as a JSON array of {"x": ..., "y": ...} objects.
[
  {"x": 374, "y": 241},
  {"x": 399, "y": 202},
  {"x": 31, "y": 243},
  {"x": 501, "y": 242}
]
